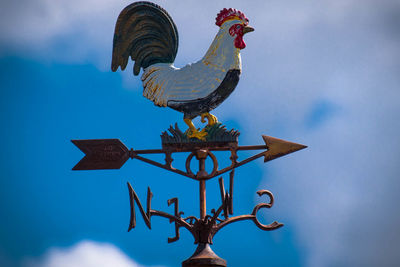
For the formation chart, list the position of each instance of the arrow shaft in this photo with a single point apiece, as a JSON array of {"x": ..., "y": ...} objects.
[
  {"x": 166, "y": 167},
  {"x": 238, "y": 164},
  {"x": 160, "y": 151},
  {"x": 112, "y": 154}
]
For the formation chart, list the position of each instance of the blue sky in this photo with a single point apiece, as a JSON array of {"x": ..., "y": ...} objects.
[{"x": 321, "y": 73}]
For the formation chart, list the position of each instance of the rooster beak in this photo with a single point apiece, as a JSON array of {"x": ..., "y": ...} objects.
[{"x": 247, "y": 29}]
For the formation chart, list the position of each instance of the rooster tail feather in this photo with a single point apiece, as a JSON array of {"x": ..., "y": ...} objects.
[{"x": 145, "y": 32}]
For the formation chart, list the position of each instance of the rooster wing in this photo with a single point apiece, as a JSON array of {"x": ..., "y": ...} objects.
[{"x": 163, "y": 83}]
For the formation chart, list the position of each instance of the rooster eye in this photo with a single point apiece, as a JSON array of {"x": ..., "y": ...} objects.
[{"x": 238, "y": 27}]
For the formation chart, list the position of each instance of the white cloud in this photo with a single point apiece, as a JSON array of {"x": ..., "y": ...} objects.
[
  {"x": 70, "y": 31},
  {"x": 341, "y": 190},
  {"x": 83, "y": 254}
]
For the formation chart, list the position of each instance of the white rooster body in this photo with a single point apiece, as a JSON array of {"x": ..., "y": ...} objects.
[{"x": 163, "y": 82}]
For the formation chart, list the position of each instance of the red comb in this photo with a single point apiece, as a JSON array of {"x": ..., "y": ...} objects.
[{"x": 230, "y": 13}]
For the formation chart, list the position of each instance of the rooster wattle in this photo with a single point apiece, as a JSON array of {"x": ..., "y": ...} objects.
[{"x": 145, "y": 32}]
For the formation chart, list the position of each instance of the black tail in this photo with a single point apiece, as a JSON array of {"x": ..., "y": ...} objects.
[{"x": 145, "y": 32}]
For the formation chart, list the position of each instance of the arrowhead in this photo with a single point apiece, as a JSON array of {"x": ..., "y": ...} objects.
[
  {"x": 278, "y": 147},
  {"x": 101, "y": 154}
]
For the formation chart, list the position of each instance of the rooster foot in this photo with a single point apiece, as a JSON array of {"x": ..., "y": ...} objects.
[
  {"x": 192, "y": 132},
  {"x": 201, "y": 135},
  {"x": 211, "y": 118}
]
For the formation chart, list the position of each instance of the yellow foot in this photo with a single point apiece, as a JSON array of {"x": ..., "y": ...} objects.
[
  {"x": 211, "y": 118},
  {"x": 192, "y": 132},
  {"x": 201, "y": 135}
]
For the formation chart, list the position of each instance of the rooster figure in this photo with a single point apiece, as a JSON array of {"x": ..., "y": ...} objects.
[{"x": 145, "y": 32}]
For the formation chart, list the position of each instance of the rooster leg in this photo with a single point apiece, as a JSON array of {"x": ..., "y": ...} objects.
[
  {"x": 193, "y": 132},
  {"x": 210, "y": 117}
]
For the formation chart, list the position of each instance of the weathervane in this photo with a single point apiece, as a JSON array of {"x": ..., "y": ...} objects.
[{"x": 146, "y": 33}]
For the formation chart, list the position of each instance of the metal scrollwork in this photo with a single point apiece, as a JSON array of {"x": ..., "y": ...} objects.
[
  {"x": 203, "y": 229},
  {"x": 208, "y": 154},
  {"x": 271, "y": 226}
]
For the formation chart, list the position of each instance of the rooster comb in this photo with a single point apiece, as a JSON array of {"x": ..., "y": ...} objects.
[{"x": 231, "y": 13}]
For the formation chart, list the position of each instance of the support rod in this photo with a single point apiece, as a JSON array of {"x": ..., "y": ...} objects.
[
  {"x": 201, "y": 156},
  {"x": 203, "y": 205}
]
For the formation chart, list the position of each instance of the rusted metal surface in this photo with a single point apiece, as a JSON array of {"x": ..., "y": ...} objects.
[
  {"x": 204, "y": 228},
  {"x": 101, "y": 154},
  {"x": 112, "y": 153},
  {"x": 204, "y": 256},
  {"x": 203, "y": 203}
]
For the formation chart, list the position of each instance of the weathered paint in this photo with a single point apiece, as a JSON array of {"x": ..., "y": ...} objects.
[
  {"x": 228, "y": 14},
  {"x": 196, "y": 107},
  {"x": 146, "y": 33},
  {"x": 164, "y": 82}
]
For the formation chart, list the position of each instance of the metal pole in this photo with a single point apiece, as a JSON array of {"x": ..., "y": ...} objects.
[
  {"x": 203, "y": 256},
  {"x": 203, "y": 199},
  {"x": 201, "y": 156}
]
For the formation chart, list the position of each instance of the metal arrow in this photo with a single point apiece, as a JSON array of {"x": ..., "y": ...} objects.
[
  {"x": 101, "y": 154},
  {"x": 112, "y": 154},
  {"x": 278, "y": 147}
]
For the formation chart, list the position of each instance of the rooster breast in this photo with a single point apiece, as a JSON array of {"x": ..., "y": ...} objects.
[
  {"x": 198, "y": 87},
  {"x": 195, "y": 107}
]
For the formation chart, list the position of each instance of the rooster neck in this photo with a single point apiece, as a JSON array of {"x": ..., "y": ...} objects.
[{"x": 222, "y": 54}]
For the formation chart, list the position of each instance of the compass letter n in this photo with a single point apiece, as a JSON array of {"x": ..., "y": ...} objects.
[{"x": 146, "y": 216}]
